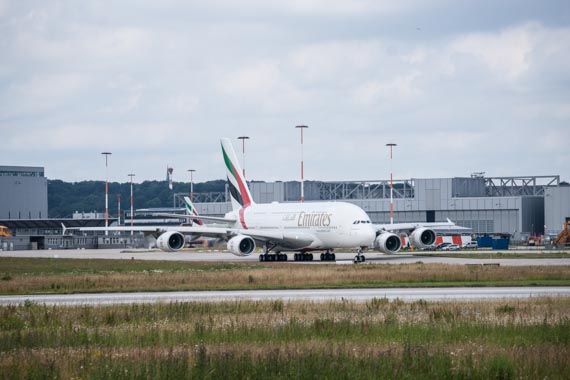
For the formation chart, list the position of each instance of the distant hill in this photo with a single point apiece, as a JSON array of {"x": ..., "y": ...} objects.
[{"x": 64, "y": 198}]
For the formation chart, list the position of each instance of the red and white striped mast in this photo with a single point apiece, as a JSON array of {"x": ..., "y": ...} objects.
[
  {"x": 391, "y": 145},
  {"x": 107, "y": 154},
  {"x": 301, "y": 127}
]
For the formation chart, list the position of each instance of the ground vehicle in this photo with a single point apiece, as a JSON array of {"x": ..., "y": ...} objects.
[
  {"x": 471, "y": 244},
  {"x": 436, "y": 247},
  {"x": 451, "y": 247},
  {"x": 4, "y": 231}
]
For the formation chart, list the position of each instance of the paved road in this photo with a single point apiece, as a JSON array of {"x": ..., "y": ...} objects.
[
  {"x": 342, "y": 258},
  {"x": 315, "y": 295}
]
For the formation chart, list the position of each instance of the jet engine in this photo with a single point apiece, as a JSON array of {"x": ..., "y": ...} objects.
[
  {"x": 241, "y": 245},
  {"x": 388, "y": 243},
  {"x": 170, "y": 241},
  {"x": 422, "y": 238}
]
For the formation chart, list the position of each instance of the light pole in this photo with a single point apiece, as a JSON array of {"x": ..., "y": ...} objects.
[
  {"x": 301, "y": 127},
  {"x": 243, "y": 138},
  {"x": 191, "y": 184},
  {"x": 391, "y": 145},
  {"x": 131, "y": 175},
  {"x": 107, "y": 154}
]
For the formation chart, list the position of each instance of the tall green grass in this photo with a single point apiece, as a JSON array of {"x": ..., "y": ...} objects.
[
  {"x": 275, "y": 339},
  {"x": 414, "y": 362}
]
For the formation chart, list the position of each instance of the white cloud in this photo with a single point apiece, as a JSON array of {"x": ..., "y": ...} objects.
[
  {"x": 400, "y": 88},
  {"x": 165, "y": 82},
  {"x": 507, "y": 53}
]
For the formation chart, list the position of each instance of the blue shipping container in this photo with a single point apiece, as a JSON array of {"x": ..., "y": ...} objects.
[
  {"x": 500, "y": 244},
  {"x": 485, "y": 241}
]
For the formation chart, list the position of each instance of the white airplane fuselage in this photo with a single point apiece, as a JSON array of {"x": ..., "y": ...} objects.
[{"x": 332, "y": 224}]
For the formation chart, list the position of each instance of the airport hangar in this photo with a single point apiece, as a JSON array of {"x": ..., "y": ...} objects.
[{"x": 516, "y": 206}]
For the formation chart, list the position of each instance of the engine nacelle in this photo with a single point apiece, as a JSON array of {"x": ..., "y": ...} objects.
[
  {"x": 422, "y": 238},
  {"x": 388, "y": 243},
  {"x": 241, "y": 245},
  {"x": 170, "y": 241}
]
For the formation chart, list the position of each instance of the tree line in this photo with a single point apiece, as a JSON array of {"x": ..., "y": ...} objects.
[{"x": 64, "y": 198}]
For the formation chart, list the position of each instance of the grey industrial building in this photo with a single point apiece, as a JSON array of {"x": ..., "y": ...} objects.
[
  {"x": 23, "y": 192},
  {"x": 514, "y": 206},
  {"x": 24, "y": 210}
]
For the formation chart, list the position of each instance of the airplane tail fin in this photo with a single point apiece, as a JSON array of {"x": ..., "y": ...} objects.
[
  {"x": 191, "y": 210},
  {"x": 239, "y": 192}
]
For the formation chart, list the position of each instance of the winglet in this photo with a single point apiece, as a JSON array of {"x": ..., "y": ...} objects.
[{"x": 64, "y": 228}]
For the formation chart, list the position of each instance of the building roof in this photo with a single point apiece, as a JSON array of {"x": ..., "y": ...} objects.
[{"x": 53, "y": 223}]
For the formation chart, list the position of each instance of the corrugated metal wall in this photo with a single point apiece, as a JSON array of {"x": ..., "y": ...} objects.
[
  {"x": 23, "y": 197},
  {"x": 556, "y": 208}
]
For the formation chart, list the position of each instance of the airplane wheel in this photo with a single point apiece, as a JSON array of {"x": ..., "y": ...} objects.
[
  {"x": 310, "y": 257},
  {"x": 296, "y": 257},
  {"x": 261, "y": 258},
  {"x": 356, "y": 260},
  {"x": 333, "y": 257},
  {"x": 323, "y": 257}
]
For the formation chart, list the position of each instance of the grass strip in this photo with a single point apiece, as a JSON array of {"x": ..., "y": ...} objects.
[
  {"x": 64, "y": 276},
  {"x": 377, "y": 339}
]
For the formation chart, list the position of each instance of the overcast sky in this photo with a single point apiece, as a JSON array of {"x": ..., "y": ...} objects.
[{"x": 460, "y": 86}]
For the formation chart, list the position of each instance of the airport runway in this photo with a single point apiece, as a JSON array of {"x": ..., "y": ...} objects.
[
  {"x": 342, "y": 258},
  {"x": 314, "y": 295}
]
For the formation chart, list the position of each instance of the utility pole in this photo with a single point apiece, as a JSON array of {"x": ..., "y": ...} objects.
[
  {"x": 107, "y": 154},
  {"x": 191, "y": 184},
  {"x": 131, "y": 175},
  {"x": 391, "y": 145},
  {"x": 243, "y": 138},
  {"x": 301, "y": 127}
]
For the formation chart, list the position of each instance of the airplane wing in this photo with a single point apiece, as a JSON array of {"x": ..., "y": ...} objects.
[
  {"x": 287, "y": 239},
  {"x": 407, "y": 227},
  {"x": 212, "y": 218}
]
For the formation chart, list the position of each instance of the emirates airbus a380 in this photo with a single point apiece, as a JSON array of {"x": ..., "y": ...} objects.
[{"x": 289, "y": 227}]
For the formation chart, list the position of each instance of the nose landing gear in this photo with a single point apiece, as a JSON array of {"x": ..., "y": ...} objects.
[{"x": 359, "y": 258}]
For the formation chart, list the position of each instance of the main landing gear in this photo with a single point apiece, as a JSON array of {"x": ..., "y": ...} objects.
[
  {"x": 328, "y": 256},
  {"x": 359, "y": 258},
  {"x": 272, "y": 257},
  {"x": 278, "y": 256},
  {"x": 303, "y": 256}
]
